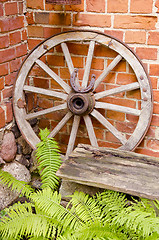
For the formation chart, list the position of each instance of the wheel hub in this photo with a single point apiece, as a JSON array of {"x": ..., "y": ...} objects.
[{"x": 81, "y": 103}]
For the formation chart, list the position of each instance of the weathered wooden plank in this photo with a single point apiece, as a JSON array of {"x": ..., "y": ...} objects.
[{"x": 113, "y": 169}]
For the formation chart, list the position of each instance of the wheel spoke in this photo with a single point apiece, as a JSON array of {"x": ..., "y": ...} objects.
[
  {"x": 107, "y": 71},
  {"x": 118, "y": 108},
  {"x": 109, "y": 126},
  {"x": 128, "y": 87},
  {"x": 52, "y": 74},
  {"x": 88, "y": 64},
  {"x": 45, "y": 92},
  {"x": 90, "y": 131},
  {"x": 73, "y": 135},
  {"x": 60, "y": 124},
  {"x": 69, "y": 60},
  {"x": 46, "y": 111}
]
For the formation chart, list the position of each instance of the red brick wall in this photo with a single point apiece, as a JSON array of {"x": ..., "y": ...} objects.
[
  {"x": 13, "y": 48},
  {"x": 135, "y": 22}
]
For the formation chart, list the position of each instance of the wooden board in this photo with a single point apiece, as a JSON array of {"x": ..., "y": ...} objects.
[{"x": 113, "y": 169}]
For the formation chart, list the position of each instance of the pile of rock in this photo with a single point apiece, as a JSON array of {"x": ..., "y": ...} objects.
[{"x": 15, "y": 158}]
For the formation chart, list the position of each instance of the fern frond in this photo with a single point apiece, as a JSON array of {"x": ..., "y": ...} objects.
[
  {"x": 11, "y": 182},
  {"x": 49, "y": 160},
  {"x": 49, "y": 202},
  {"x": 85, "y": 207},
  {"x": 21, "y": 221}
]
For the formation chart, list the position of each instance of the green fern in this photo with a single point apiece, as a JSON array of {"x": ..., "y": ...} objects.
[
  {"x": 11, "y": 182},
  {"x": 49, "y": 160}
]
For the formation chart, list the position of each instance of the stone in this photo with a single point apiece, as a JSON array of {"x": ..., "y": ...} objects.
[
  {"x": 1, "y": 162},
  {"x": 26, "y": 149},
  {"x": 21, "y": 173},
  {"x": 68, "y": 188},
  {"x": 33, "y": 163},
  {"x": 8, "y": 147},
  {"x": 16, "y": 131},
  {"x": 21, "y": 159}
]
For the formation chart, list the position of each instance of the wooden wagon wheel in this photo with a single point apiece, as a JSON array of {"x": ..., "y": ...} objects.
[{"x": 81, "y": 99}]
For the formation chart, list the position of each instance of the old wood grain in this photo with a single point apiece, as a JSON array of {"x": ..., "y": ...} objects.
[{"x": 113, "y": 169}]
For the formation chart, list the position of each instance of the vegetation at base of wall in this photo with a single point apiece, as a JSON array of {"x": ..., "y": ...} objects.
[{"x": 108, "y": 215}]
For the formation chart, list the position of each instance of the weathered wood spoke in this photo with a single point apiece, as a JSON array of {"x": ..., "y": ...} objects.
[
  {"x": 73, "y": 135},
  {"x": 52, "y": 74},
  {"x": 46, "y": 111},
  {"x": 90, "y": 131},
  {"x": 118, "y": 108},
  {"x": 112, "y": 65},
  {"x": 109, "y": 126},
  {"x": 88, "y": 64},
  {"x": 60, "y": 124},
  {"x": 128, "y": 87},
  {"x": 45, "y": 92},
  {"x": 69, "y": 61}
]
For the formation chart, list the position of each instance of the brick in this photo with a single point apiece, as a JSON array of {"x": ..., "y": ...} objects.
[
  {"x": 78, "y": 49},
  {"x": 125, "y": 127},
  {"x": 1, "y": 83},
  {"x": 153, "y": 38},
  {"x": 153, "y": 144},
  {"x": 93, "y": 20},
  {"x": 32, "y": 43},
  {"x": 77, "y": 62},
  {"x": 121, "y": 101},
  {"x": 4, "y": 69},
  {"x": 156, "y": 95},
  {"x": 49, "y": 31},
  {"x": 135, "y": 37},
  {"x": 2, "y": 118},
  {"x": 7, "y": 92},
  {"x": 36, "y": 4},
  {"x": 108, "y": 144},
  {"x": 154, "y": 69},
  {"x": 12, "y": 23},
  {"x": 10, "y": 79},
  {"x": 11, "y": 8},
  {"x": 20, "y": 8},
  {"x": 125, "y": 78},
  {"x": 95, "y": 6},
  {"x": 97, "y": 64},
  {"x": 115, "y": 115},
  {"x": 4, "y": 41},
  {"x": 154, "y": 81},
  {"x": 155, "y": 120},
  {"x": 30, "y": 18},
  {"x": 147, "y": 53},
  {"x": 141, "y": 6},
  {"x": 50, "y": 7},
  {"x": 156, "y": 108},
  {"x": 9, "y": 112},
  {"x": 40, "y": 82},
  {"x": 102, "y": 51},
  {"x": 7, "y": 55},
  {"x": 117, "y": 6},
  {"x": 60, "y": 19},
  {"x": 44, "y": 123},
  {"x": 15, "y": 37},
  {"x": 147, "y": 152},
  {"x": 135, "y": 94},
  {"x": 55, "y": 60},
  {"x": 35, "y": 31},
  {"x": 44, "y": 103},
  {"x": 135, "y": 22},
  {"x": 14, "y": 64},
  {"x": 42, "y": 17},
  {"x": 121, "y": 66},
  {"x": 115, "y": 33},
  {"x": 21, "y": 50},
  {"x": 157, "y": 5},
  {"x": 1, "y": 9},
  {"x": 75, "y": 8},
  {"x": 24, "y": 35}
]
